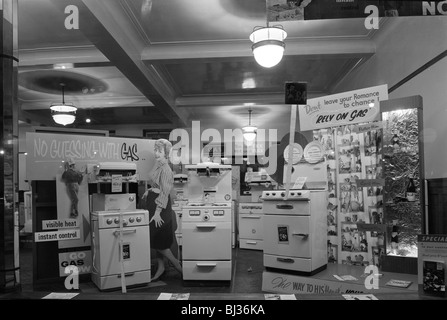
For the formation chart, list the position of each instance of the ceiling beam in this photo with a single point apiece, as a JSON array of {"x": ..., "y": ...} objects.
[
  {"x": 106, "y": 24},
  {"x": 241, "y": 49},
  {"x": 50, "y": 56},
  {"x": 238, "y": 100}
]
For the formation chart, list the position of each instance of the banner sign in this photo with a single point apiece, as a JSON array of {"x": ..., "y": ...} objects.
[
  {"x": 57, "y": 235},
  {"x": 345, "y": 108},
  {"x": 47, "y": 151},
  {"x": 288, "y": 10}
]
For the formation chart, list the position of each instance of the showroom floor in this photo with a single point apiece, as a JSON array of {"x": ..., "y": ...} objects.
[
  {"x": 247, "y": 278},
  {"x": 246, "y": 285}
]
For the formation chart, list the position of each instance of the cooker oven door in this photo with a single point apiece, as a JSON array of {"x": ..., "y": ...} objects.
[
  {"x": 135, "y": 250},
  {"x": 206, "y": 240},
  {"x": 287, "y": 235}
]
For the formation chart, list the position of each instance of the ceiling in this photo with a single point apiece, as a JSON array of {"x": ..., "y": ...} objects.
[{"x": 161, "y": 64}]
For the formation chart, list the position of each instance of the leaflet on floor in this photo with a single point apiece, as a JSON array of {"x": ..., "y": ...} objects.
[{"x": 173, "y": 296}]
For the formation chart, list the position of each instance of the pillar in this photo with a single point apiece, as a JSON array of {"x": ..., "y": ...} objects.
[{"x": 8, "y": 143}]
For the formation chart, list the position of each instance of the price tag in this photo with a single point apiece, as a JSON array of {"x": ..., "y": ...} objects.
[
  {"x": 117, "y": 183},
  {"x": 299, "y": 183}
]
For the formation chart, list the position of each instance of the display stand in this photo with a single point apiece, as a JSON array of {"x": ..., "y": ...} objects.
[
  {"x": 325, "y": 282},
  {"x": 46, "y": 264}
]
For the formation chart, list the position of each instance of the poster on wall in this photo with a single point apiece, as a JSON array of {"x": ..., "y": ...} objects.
[
  {"x": 352, "y": 107},
  {"x": 47, "y": 153},
  {"x": 296, "y": 10},
  {"x": 432, "y": 264},
  {"x": 73, "y": 209}
]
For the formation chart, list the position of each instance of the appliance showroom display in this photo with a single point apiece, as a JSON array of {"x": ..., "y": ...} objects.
[
  {"x": 295, "y": 231},
  {"x": 251, "y": 226},
  {"x": 118, "y": 251},
  {"x": 207, "y": 223}
]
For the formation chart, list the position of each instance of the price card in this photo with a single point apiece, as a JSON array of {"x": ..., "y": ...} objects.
[
  {"x": 117, "y": 183},
  {"x": 299, "y": 183}
]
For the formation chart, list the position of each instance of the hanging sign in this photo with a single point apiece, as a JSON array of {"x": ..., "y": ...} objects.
[
  {"x": 296, "y": 93},
  {"x": 345, "y": 108}
]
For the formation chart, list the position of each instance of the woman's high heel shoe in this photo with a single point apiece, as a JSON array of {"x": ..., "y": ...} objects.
[{"x": 159, "y": 276}]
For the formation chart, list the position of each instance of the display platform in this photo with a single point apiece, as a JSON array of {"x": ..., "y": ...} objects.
[{"x": 336, "y": 278}]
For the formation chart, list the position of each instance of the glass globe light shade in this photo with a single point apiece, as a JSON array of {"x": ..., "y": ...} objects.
[
  {"x": 268, "y": 45},
  {"x": 249, "y": 133}
]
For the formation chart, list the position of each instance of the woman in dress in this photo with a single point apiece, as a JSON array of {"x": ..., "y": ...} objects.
[{"x": 162, "y": 221}]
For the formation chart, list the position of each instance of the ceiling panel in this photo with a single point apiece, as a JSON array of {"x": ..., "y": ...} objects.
[
  {"x": 41, "y": 25},
  {"x": 225, "y": 20},
  {"x": 196, "y": 78},
  {"x": 91, "y": 87}
]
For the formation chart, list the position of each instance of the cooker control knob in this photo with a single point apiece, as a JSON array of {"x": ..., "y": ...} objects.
[
  {"x": 124, "y": 222},
  {"x": 273, "y": 193},
  {"x": 267, "y": 194},
  {"x": 109, "y": 221},
  {"x": 138, "y": 219},
  {"x": 131, "y": 219},
  {"x": 283, "y": 194},
  {"x": 206, "y": 217},
  {"x": 117, "y": 221},
  {"x": 293, "y": 193}
]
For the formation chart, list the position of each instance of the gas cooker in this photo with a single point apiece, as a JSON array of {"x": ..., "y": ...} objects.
[
  {"x": 296, "y": 195},
  {"x": 130, "y": 218}
]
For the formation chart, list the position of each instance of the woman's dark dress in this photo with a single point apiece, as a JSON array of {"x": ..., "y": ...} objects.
[{"x": 163, "y": 236}]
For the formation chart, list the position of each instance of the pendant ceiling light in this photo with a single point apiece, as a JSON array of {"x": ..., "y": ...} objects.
[
  {"x": 62, "y": 113},
  {"x": 249, "y": 132},
  {"x": 268, "y": 44}
]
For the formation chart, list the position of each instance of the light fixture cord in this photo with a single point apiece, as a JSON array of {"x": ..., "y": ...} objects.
[
  {"x": 249, "y": 117},
  {"x": 63, "y": 93},
  {"x": 267, "y": 12}
]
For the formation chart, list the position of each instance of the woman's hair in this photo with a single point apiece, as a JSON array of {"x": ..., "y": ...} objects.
[{"x": 165, "y": 144}]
